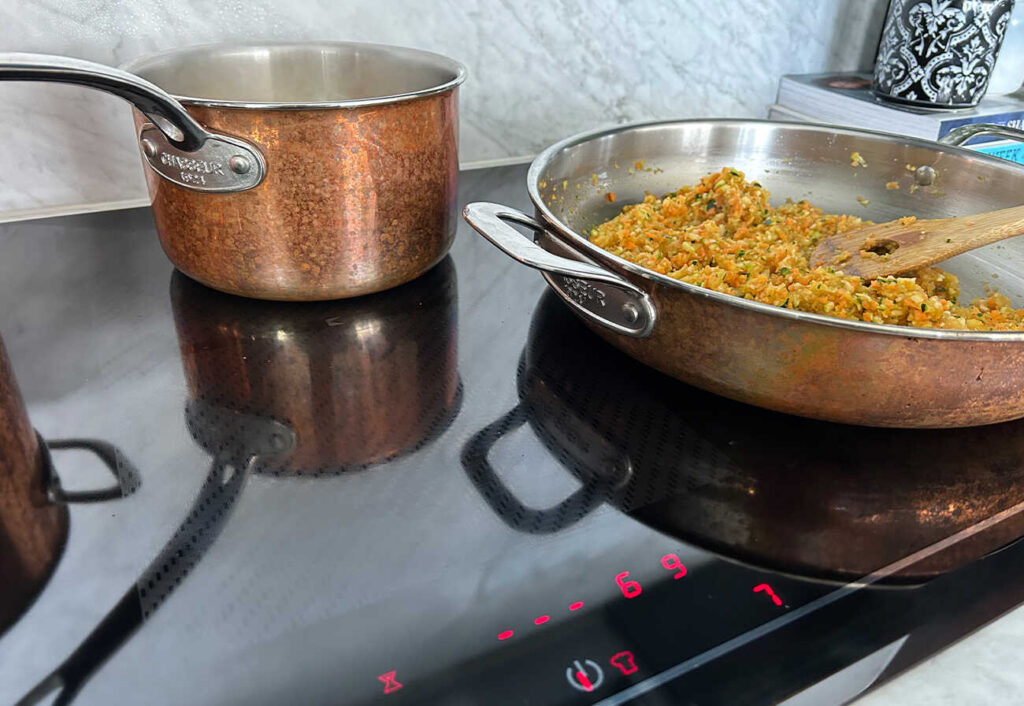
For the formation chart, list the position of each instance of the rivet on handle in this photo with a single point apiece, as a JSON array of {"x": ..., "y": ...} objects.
[
  {"x": 149, "y": 147},
  {"x": 239, "y": 164}
]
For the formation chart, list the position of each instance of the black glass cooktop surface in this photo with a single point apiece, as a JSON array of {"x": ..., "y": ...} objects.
[{"x": 453, "y": 493}]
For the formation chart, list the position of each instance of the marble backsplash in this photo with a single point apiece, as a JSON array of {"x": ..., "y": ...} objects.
[{"x": 539, "y": 70}]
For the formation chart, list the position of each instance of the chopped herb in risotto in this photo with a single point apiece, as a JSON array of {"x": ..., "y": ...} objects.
[{"x": 723, "y": 234}]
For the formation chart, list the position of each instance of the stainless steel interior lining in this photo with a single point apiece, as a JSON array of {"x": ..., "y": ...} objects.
[{"x": 298, "y": 75}]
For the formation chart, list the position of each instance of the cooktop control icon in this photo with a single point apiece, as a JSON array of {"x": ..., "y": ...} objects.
[
  {"x": 623, "y": 661},
  {"x": 584, "y": 675},
  {"x": 389, "y": 682}
]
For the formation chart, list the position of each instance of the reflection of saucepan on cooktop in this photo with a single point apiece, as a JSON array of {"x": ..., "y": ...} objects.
[
  {"x": 33, "y": 504},
  {"x": 287, "y": 388},
  {"x": 356, "y": 382},
  {"x": 198, "y": 530},
  {"x": 808, "y": 497}
]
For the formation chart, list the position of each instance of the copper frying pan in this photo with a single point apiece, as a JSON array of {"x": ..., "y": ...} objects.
[{"x": 790, "y": 361}]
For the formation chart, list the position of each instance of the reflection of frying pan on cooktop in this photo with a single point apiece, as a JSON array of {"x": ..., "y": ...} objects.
[
  {"x": 790, "y": 494},
  {"x": 357, "y": 381}
]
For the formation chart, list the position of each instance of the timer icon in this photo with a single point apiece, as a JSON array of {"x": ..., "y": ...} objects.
[{"x": 585, "y": 675}]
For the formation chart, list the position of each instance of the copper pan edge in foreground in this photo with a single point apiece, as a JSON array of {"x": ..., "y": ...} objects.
[{"x": 32, "y": 530}]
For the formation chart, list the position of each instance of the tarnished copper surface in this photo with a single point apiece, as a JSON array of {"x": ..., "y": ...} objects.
[
  {"x": 832, "y": 373},
  {"x": 357, "y": 381},
  {"x": 32, "y": 532},
  {"x": 799, "y": 495},
  {"x": 823, "y": 372},
  {"x": 356, "y": 200}
]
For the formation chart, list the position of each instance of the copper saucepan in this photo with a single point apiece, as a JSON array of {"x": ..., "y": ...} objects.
[
  {"x": 814, "y": 499},
  {"x": 791, "y": 361},
  {"x": 289, "y": 171}
]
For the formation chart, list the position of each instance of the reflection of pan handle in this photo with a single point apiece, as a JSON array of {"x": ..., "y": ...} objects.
[
  {"x": 205, "y": 521},
  {"x": 597, "y": 294},
  {"x": 962, "y": 134},
  {"x": 506, "y": 505},
  {"x": 127, "y": 476}
]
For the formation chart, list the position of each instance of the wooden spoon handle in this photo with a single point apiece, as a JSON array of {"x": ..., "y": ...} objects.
[{"x": 909, "y": 244}]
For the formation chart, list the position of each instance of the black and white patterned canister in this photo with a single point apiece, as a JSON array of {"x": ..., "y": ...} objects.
[{"x": 939, "y": 53}]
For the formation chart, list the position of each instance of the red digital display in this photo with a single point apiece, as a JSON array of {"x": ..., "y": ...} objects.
[
  {"x": 768, "y": 589},
  {"x": 623, "y": 661},
  {"x": 388, "y": 679},
  {"x": 630, "y": 589},
  {"x": 672, "y": 563}
]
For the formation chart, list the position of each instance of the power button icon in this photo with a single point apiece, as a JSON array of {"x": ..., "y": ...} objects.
[{"x": 585, "y": 675}]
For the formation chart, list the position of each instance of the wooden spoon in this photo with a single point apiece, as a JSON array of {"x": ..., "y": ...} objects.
[{"x": 907, "y": 244}]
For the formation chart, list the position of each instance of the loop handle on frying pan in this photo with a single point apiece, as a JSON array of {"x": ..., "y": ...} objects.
[
  {"x": 597, "y": 294},
  {"x": 962, "y": 134},
  {"x": 177, "y": 147}
]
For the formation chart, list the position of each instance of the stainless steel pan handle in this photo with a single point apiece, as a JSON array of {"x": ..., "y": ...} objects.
[
  {"x": 599, "y": 295},
  {"x": 176, "y": 147},
  {"x": 960, "y": 135}
]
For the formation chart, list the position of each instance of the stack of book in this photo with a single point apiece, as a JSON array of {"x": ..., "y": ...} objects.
[{"x": 846, "y": 99}]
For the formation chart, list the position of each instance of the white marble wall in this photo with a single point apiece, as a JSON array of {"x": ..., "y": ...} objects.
[{"x": 539, "y": 69}]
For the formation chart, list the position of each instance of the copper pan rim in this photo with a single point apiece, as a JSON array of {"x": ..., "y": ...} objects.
[{"x": 582, "y": 244}]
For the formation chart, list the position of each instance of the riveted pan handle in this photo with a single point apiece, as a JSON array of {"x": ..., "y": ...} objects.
[
  {"x": 598, "y": 294},
  {"x": 177, "y": 147},
  {"x": 960, "y": 135}
]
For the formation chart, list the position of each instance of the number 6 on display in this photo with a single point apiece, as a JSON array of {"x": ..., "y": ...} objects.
[{"x": 630, "y": 589}]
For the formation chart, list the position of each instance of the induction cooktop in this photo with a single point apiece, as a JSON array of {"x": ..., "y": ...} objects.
[{"x": 455, "y": 493}]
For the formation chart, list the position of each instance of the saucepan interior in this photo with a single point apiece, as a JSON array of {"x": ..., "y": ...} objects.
[
  {"x": 298, "y": 75},
  {"x": 571, "y": 183}
]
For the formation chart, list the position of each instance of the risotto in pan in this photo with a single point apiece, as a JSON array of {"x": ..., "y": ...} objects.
[{"x": 723, "y": 234}]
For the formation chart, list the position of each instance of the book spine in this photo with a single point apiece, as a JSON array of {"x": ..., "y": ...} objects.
[{"x": 1013, "y": 151}]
